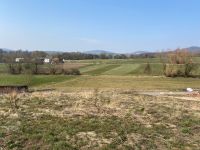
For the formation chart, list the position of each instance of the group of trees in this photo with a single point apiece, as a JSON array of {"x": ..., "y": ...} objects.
[
  {"x": 178, "y": 63},
  {"x": 82, "y": 56},
  {"x": 9, "y": 56},
  {"x": 51, "y": 69}
]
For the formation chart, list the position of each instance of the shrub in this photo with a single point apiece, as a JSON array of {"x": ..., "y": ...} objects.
[
  {"x": 11, "y": 68},
  {"x": 147, "y": 69},
  {"x": 27, "y": 67},
  {"x": 176, "y": 61},
  {"x": 189, "y": 67},
  {"x": 72, "y": 71},
  {"x": 15, "y": 68},
  {"x": 172, "y": 70},
  {"x": 19, "y": 68},
  {"x": 35, "y": 70},
  {"x": 179, "y": 56},
  {"x": 180, "y": 73},
  {"x": 53, "y": 69}
]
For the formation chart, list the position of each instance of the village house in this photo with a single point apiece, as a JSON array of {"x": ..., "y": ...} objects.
[
  {"x": 19, "y": 60},
  {"x": 47, "y": 60}
]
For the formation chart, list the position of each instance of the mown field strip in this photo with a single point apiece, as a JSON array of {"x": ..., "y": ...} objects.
[
  {"x": 91, "y": 68},
  {"x": 156, "y": 69},
  {"x": 131, "y": 82},
  {"x": 121, "y": 61},
  {"x": 122, "y": 70},
  {"x": 101, "y": 70}
]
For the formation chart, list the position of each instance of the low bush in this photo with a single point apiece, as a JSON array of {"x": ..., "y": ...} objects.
[
  {"x": 147, "y": 69},
  {"x": 15, "y": 68},
  {"x": 185, "y": 70},
  {"x": 189, "y": 67},
  {"x": 72, "y": 71}
]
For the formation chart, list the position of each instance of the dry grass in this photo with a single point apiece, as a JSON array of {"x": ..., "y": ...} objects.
[
  {"x": 128, "y": 82},
  {"x": 99, "y": 119}
]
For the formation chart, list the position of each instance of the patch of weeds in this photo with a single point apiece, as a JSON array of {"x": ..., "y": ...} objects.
[
  {"x": 127, "y": 147},
  {"x": 146, "y": 143},
  {"x": 163, "y": 131},
  {"x": 186, "y": 130},
  {"x": 14, "y": 144},
  {"x": 114, "y": 144},
  {"x": 63, "y": 145},
  {"x": 160, "y": 113},
  {"x": 179, "y": 143},
  {"x": 139, "y": 110},
  {"x": 2, "y": 134},
  {"x": 187, "y": 123}
]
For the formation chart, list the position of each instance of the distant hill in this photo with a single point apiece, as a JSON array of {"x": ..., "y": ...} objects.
[
  {"x": 53, "y": 52},
  {"x": 98, "y": 52},
  {"x": 194, "y": 49},
  {"x": 6, "y": 49}
]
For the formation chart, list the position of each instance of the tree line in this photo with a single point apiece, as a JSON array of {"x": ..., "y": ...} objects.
[{"x": 10, "y": 56}]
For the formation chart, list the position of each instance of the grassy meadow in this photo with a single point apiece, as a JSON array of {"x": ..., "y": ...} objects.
[
  {"x": 128, "y": 73},
  {"x": 104, "y": 108}
]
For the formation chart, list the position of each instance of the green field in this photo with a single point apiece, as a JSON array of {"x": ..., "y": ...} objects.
[
  {"x": 129, "y": 82},
  {"x": 123, "y": 69},
  {"x": 106, "y": 74},
  {"x": 36, "y": 80},
  {"x": 115, "y": 66},
  {"x": 127, "y": 61},
  {"x": 103, "y": 81},
  {"x": 101, "y": 70}
]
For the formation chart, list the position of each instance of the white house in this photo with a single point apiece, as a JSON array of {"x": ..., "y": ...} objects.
[
  {"x": 19, "y": 59},
  {"x": 47, "y": 60}
]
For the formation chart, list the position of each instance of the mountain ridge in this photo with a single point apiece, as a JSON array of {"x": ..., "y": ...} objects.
[
  {"x": 193, "y": 49},
  {"x": 98, "y": 52}
]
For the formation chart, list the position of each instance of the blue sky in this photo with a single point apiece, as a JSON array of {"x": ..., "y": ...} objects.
[{"x": 117, "y": 25}]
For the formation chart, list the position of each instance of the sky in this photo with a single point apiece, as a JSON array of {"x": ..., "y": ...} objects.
[{"x": 115, "y": 25}]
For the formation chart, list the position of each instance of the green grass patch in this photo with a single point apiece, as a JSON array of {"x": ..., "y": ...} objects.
[
  {"x": 33, "y": 80},
  {"x": 156, "y": 69},
  {"x": 133, "y": 82},
  {"x": 101, "y": 70},
  {"x": 124, "y": 69},
  {"x": 120, "y": 61},
  {"x": 91, "y": 67},
  {"x": 3, "y": 68}
]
